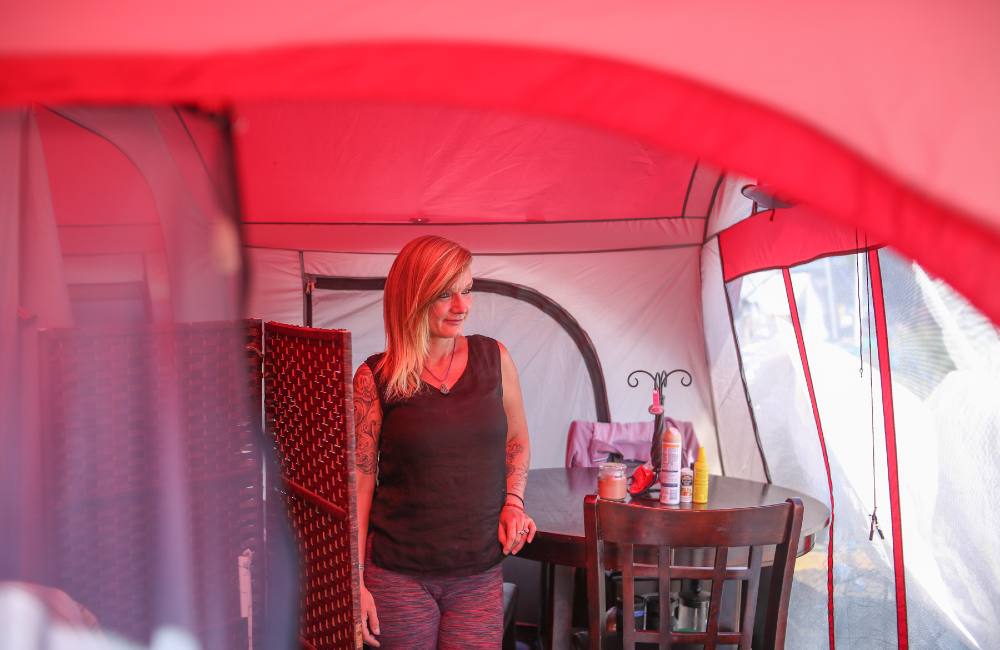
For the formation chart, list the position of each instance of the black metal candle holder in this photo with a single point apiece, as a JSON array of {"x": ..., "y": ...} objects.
[{"x": 659, "y": 383}]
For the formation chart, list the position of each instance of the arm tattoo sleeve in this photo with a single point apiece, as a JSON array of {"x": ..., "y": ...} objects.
[
  {"x": 367, "y": 421},
  {"x": 517, "y": 467}
]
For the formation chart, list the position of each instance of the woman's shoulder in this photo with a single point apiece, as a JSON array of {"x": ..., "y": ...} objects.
[
  {"x": 492, "y": 351},
  {"x": 489, "y": 342},
  {"x": 484, "y": 343},
  {"x": 372, "y": 363},
  {"x": 370, "y": 367}
]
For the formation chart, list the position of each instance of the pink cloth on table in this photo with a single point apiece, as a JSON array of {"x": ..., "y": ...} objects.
[{"x": 589, "y": 443}]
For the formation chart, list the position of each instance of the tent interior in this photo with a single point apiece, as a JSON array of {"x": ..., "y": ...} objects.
[{"x": 841, "y": 343}]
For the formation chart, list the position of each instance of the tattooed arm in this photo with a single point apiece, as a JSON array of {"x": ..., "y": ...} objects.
[
  {"x": 367, "y": 429},
  {"x": 513, "y": 517}
]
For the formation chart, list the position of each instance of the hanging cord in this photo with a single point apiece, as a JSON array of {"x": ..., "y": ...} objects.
[
  {"x": 874, "y": 527},
  {"x": 857, "y": 285}
]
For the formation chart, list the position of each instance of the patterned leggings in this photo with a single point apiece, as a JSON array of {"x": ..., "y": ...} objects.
[{"x": 424, "y": 613}]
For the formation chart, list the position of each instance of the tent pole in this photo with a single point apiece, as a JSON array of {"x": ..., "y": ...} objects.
[
  {"x": 882, "y": 338},
  {"x": 797, "y": 325}
]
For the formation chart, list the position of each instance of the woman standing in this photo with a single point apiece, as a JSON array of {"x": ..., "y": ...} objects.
[{"x": 442, "y": 462}]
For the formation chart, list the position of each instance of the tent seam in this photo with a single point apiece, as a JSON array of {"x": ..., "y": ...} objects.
[
  {"x": 439, "y": 224},
  {"x": 837, "y": 253},
  {"x": 804, "y": 360},
  {"x": 892, "y": 467},
  {"x": 711, "y": 385},
  {"x": 711, "y": 206},
  {"x": 485, "y": 254}
]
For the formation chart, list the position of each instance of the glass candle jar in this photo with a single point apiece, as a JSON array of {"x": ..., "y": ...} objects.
[{"x": 611, "y": 481}]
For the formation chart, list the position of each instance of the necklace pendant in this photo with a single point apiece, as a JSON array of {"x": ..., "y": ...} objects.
[{"x": 444, "y": 389}]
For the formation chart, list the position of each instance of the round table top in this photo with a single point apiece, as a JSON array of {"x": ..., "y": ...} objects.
[{"x": 554, "y": 499}]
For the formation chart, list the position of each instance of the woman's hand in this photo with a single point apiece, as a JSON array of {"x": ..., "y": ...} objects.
[
  {"x": 369, "y": 617},
  {"x": 516, "y": 529}
]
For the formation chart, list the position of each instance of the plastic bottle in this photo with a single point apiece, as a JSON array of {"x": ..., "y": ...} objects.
[
  {"x": 701, "y": 478},
  {"x": 687, "y": 484},
  {"x": 670, "y": 472}
]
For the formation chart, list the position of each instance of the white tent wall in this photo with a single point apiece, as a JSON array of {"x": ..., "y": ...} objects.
[
  {"x": 945, "y": 378},
  {"x": 848, "y": 394},
  {"x": 641, "y": 309},
  {"x": 553, "y": 376},
  {"x": 740, "y": 455},
  {"x": 939, "y": 387},
  {"x": 275, "y": 285},
  {"x": 785, "y": 424},
  {"x": 740, "y": 447},
  {"x": 359, "y": 162},
  {"x": 484, "y": 238},
  {"x": 729, "y": 206},
  {"x": 328, "y": 177}
]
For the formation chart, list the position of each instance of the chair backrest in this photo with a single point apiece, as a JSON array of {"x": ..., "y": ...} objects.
[
  {"x": 589, "y": 443},
  {"x": 642, "y": 540}
]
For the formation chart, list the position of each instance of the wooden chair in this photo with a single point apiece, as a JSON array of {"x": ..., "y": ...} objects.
[{"x": 619, "y": 534}]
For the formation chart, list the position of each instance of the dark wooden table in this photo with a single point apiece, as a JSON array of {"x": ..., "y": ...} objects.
[{"x": 554, "y": 499}]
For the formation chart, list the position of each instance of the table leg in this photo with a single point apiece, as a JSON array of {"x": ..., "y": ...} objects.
[{"x": 557, "y": 606}]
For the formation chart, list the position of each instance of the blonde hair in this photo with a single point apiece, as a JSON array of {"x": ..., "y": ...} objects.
[{"x": 424, "y": 268}]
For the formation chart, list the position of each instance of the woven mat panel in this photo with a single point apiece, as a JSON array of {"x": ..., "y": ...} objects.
[
  {"x": 255, "y": 367},
  {"x": 309, "y": 413},
  {"x": 327, "y": 594},
  {"x": 254, "y": 355},
  {"x": 223, "y": 457},
  {"x": 162, "y": 477}
]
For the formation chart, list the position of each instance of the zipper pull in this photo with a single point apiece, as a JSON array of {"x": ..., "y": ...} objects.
[{"x": 874, "y": 526}]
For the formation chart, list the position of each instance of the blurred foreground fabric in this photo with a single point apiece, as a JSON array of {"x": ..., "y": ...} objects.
[{"x": 133, "y": 462}]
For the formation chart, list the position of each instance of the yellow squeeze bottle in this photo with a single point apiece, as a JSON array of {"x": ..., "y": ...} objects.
[{"x": 700, "y": 478}]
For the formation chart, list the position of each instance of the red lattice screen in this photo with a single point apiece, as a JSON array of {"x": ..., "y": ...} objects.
[
  {"x": 309, "y": 412},
  {"x": 164, "y": 476}
]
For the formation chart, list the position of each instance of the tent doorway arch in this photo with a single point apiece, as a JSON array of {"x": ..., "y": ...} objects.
[{"x": 547, "y": 305}]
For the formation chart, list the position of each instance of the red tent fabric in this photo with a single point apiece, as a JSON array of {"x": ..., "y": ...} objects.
[{"x": 851, "y": 95}]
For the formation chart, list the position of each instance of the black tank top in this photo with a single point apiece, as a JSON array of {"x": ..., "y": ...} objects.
[{"x": 441, "y": 473}]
